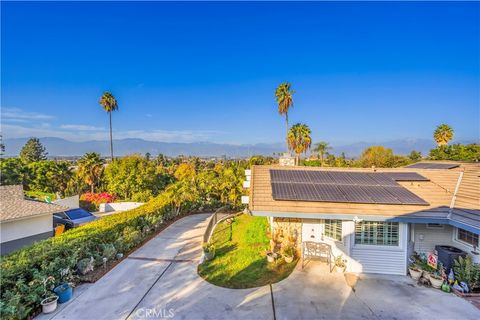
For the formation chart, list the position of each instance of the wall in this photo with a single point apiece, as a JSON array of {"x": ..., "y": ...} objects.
[
  {"x": 18, "y": 233},
  {"x": 119, "y": 206},
  {"x": 70, "y": 202},
  {"x": 12, "y": 230},
  {"x": 432, "y": 237}
]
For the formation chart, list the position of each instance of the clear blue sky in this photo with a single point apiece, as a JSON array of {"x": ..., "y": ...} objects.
[{"x": 208, "y": 71}]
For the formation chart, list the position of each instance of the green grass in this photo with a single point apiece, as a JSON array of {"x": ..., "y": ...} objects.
[{"x": 240, "y": 260}]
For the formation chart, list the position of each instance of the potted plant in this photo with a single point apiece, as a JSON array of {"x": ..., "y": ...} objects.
[
  {"x": 340, "y": 264},
  {"x": 64, "y": 290},
  {"x": 49, "y": 303},
  {"x": 415, "y": 271},
  {"x": 208, "y": 251},
  {"x": 436, "y": 279},
  {"x": 271, "y": 256},
  {"x": 288, "y": 254}
]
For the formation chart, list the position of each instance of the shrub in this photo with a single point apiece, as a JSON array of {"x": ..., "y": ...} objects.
[
  {"x": 91, "y": 201},
  {"x": 467, "y": 271},
  {"x": 21, "y": 295}
]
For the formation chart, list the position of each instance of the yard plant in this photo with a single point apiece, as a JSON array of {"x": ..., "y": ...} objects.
[
  {"x": 23, "y": 272},
  {"x": 240, "y": 255}
]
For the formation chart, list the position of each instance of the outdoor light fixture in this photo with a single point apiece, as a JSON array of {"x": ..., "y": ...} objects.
[{"x": 357, "y": 219}]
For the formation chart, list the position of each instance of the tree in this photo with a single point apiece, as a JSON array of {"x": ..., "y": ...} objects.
[
  {"x": 284, "y": 96},
  {"x": 2, "y": 146},
  {"x": 321, "y": 148},
  {"x": 109, "y": 104},
  {"x": 49, "y": 176},
  {"x": 443, "y": 134},
  {"x": 90, "y": 169},
  {"x": 457, "y": 152},
  {"x": 13, "y": 171},
  {"x": 415, "y": 156},
  {"x": 134, "y": 178},
  {"x": 377, "y": 156},
  {"x": 33, "y": 151},
  {"x": 299, "y": 140}
]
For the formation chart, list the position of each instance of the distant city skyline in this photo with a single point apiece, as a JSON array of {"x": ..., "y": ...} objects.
[{"x": 193, "y": 72}]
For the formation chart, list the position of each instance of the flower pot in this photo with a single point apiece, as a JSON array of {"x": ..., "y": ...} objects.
[
  {"x": 49, "y": 304},
  {"x": 271, "y": 257},
  {"x": 64, "y": 292},
  {"x": 288, "y": 259},
  {"x": 415, "y": 274},
  {"x": 209, "y": 255},
  {"x": 436, "y": 282}
]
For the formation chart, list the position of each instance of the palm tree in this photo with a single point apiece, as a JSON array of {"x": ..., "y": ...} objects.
[
  {"x": 299, "y": 140},
  {"x": 109, "y": 104},
  {"x": 443, "y": 134},
  {"x": 321, "y": 148},
  {"x": 284, "y": 96},
  {"x": 90, "y": 169}
]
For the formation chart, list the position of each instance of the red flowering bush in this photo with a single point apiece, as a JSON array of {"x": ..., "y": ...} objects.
[{"x": 91, "y": 201}]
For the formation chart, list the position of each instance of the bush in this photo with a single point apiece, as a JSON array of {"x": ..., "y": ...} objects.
[
  {"x": 91, "y": 201},
  {"x": 21, "y": 292},
  {"x": 467, "y": 271}
]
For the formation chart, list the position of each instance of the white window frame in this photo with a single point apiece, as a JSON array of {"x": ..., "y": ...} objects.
[
  {"x": 463, "y": 243},
  {"x": 341, "y": 230},
  {"x": 400, "y": 247}
]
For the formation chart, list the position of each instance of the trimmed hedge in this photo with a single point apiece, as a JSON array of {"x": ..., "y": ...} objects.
[{"x": 23, "y": 272}]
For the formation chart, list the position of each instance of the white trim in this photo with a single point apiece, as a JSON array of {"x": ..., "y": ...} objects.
[{"x": 463, "y": 243}]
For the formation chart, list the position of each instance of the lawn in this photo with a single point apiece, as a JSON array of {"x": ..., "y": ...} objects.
[{"x": 240, "y": 260}]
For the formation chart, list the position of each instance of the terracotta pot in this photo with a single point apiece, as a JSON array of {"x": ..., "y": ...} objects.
[
  {"x": 436, "y": 282},
  {"x": 415, "y": 274}
]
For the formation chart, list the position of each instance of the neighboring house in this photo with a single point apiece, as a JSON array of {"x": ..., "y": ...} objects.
[
  {"x": 375, "y": 218},
  {"x": 23, "y": 221}
]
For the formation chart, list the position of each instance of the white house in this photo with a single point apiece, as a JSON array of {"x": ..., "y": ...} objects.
[
  {"x": 374, "y": 218},
  {"x": 23, "y": 221}
]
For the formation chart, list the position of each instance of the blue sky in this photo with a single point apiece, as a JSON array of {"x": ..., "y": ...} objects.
[{"x": 207, "y": 71}]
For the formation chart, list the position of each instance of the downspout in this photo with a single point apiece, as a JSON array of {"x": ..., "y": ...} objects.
[{"x": 454, "y": 198}]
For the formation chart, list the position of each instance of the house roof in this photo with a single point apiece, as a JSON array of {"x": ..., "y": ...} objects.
[
  {"x": 14, "y": 206},
  {"x": 462, "y": 207}
]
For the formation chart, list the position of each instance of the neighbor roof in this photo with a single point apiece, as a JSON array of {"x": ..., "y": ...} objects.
[
  {"x": 438, "y": 192},
  {"x": 14, "y": 206}
]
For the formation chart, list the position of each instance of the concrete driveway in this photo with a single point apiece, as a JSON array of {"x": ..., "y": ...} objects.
[{"x": 160, "y": 281}]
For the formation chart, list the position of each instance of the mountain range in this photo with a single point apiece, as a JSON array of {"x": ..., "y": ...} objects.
[{"x": 62, "y": 147}]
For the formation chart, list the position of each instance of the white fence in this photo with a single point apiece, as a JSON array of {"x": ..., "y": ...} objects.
[{"x": 119, "y": 206}]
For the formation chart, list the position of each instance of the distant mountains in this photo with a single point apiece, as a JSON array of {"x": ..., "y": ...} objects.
[{"x": 62, "y": 147}]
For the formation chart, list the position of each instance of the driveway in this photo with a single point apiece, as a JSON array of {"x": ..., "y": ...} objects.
[{"x": 160, "y": 281}]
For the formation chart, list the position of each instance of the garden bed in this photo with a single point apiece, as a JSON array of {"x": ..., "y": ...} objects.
[{"x": 240, "y": 255}]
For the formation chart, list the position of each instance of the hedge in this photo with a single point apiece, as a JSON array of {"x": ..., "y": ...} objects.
[{"x": 23, "y": 272}]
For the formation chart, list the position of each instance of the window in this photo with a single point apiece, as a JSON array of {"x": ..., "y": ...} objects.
[
  {"x": 467, "y": 237},
  {"x": 333, "y": 229},
  {"x": 376, "y": 233}
]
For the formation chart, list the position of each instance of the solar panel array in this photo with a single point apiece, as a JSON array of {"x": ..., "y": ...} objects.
[
  {"x": 433, "y": 165},
  {"x": 350, "y": 187}
]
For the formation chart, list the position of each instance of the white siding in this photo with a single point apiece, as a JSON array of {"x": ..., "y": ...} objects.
[
  {"x": 426, "y": 239},
  {"x": 381, "y": 259},
  {"x": 23, "y": 228}
]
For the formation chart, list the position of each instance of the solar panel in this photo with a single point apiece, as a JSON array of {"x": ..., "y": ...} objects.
[
  {"x": 405, "y": 176},
  {"x": 349, "y": 187},
  {"x": 406, "y": 196},
  {"x": 433, "y": 165}
]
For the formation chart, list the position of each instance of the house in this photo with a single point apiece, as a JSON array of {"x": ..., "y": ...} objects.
[
  {"x": 374, "y": 218},
  {"x": 23, "y": 221}
]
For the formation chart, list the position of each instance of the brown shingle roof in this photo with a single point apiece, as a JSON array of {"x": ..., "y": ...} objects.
[
  {"x": 438, "y": 192},
  {"x": 13, "y": 205}
]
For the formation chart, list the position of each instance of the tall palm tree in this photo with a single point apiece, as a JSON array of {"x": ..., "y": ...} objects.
[
  {"x": 284, "y": 96},
  {"x": 299, "y": 140},
  {"x": 321, "y": 148},
  {"x": 109, "y": 104},
  {"x": 443, "y": 134},
  {"x": 90, "y": 169}
]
